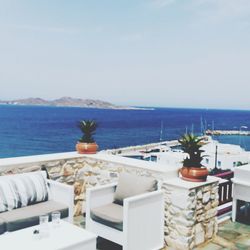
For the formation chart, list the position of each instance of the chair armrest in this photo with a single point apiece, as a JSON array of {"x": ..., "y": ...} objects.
[
  {"x": 144, "y": 211},
  {"x": 62, "y": 193},
  {"x": 141, "y": 197},
  {"x": 240, "y": 182}
]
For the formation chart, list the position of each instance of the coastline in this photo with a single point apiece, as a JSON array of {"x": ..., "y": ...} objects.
[{"x": 75, "y": 106}]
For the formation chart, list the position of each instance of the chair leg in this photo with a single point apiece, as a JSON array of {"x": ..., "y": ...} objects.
[{"x": 234, "y": 209}]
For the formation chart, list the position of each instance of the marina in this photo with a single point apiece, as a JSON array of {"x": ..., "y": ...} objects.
[
  {"x": 223, "y": 156},
  {"x": 227, "y": 132}
]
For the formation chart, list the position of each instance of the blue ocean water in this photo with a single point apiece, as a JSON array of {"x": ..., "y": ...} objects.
[{"x": 31, "y": 130}]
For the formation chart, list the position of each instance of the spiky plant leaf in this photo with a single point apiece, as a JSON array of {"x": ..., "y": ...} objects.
[
  {"x": 88, "y": 128},
  {"x": 191, "y": 145}
]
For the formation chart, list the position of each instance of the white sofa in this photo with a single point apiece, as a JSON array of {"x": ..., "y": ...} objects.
[{"x": 60, "y": 198}]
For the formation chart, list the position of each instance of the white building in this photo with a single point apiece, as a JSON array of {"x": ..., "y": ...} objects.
[
  {"x": 228, "y": 156},
  {"x": 170, "y": 158}
]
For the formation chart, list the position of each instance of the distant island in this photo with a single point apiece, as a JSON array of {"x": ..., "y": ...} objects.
[{"x": 69, "y": 102}]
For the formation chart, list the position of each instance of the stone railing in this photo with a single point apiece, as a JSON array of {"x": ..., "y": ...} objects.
[{"x": 190, "y": 208}]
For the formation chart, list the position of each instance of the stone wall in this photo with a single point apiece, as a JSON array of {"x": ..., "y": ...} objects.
[{"x": 190, "y": 215}]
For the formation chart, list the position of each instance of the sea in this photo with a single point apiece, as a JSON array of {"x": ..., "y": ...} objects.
[{"x": 33, "y": 130}]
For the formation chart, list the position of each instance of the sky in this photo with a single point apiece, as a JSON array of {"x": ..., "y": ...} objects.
[{"x": 161, "y": 53}]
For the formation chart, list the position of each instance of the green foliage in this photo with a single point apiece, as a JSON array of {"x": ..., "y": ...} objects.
[
  {"x": 88, "y": 128},
  {"x": 191, "y": 145},
  {"x": 216, "y": 171},
  {"x": 240, "y": 163}
]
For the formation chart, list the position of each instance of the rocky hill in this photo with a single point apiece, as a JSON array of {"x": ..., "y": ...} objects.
[{"x": 66, "y": 102}]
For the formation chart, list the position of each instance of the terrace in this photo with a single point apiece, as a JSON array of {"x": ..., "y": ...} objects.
[{"x": 213, "y": 199}]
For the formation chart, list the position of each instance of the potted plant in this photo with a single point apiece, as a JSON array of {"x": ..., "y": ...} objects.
[
  {"x": 192, "y": 169},
  {"x": 87, "y": 144}
]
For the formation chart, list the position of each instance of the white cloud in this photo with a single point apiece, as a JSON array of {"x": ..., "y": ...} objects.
[
  {"x": 162, "y": 3},
  {"x": 245, "y": 25},
  {"x": 132, "y": 37},
  {"x": 45, "y": 29},
  {"x": 222, "y": 9}
]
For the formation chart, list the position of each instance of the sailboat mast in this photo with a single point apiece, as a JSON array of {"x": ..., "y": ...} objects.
[
  {"x": 161, "y": 131},
  {"x": 212, "y": 128},
  {"x": 205, "y": 125},
  {"x": 202, "y": 127}
]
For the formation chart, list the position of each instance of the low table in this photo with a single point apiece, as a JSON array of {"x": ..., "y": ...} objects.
[{"x": 64, "y": 237}]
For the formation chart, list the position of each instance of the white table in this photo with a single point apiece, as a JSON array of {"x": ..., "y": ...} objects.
[{"x": 65, "y": 237}]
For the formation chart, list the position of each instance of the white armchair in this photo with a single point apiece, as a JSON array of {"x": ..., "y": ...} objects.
[{"x": 141, "y": 216}]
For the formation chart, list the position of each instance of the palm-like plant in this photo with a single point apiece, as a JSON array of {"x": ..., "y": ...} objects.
[
  {"x": 88, "y": 128},
  {"x": 191, "y": 145}
]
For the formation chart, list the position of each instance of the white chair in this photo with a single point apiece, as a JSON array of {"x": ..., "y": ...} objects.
[{"x": 137, "y": 225}]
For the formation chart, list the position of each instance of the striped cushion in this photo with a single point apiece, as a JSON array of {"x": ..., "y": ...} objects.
[{"x": 21, "y": 190}]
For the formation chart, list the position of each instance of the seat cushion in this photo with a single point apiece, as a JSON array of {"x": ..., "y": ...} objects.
[
  {"x": 2, "y": 226},
  {"x": 131, "y": 185},
  {"x": 29, "y": 216},
  {"x": 110, "y": 215}
]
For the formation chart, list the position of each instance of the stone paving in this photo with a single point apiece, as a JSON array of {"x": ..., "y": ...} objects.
[
  {"x": 237, "y": 234},
  {"x": 231, "y": 236}
]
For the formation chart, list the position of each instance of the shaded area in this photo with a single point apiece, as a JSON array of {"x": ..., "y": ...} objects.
[
  {"x": 102, "y": 244},
  {"x": 243, "y": 212}
]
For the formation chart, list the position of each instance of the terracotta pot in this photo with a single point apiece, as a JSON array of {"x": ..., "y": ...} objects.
[
  {"x": 86, "y": 148},
  {"x": 194, "y": 174}
]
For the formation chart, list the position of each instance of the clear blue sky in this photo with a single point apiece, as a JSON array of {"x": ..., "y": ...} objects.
[{"x": 178, "y": 53}]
